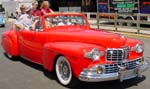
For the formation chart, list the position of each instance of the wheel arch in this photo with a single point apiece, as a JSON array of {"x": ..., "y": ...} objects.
[
  {"x": 49, "y": 63},
  {"x": 55, "y": 59},
  {"x": 121, "y": 17},
  {"x": 130, "y": 17}
]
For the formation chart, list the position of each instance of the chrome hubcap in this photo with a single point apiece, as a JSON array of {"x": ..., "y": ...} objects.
[{"x": 64, "y": 70}]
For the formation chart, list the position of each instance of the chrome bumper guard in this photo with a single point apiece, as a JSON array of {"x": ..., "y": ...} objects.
[{"x": 91, "y": 75}]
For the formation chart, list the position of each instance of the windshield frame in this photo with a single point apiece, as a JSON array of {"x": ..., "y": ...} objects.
[{"x": 62, "y": 14}]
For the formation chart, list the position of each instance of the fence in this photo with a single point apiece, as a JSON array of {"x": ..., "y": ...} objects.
[{"x": 138, "y": 23}]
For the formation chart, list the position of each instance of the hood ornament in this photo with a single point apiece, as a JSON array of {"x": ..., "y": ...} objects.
[{"x": 121, "y": 35}]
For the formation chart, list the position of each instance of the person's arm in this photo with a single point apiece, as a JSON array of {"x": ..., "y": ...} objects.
[
  {"x": 34, "y": 23},
  {"x": 18, "y": 24},
  {"x": 51, "y": 10},
  {"x": 43, "y": 12}
]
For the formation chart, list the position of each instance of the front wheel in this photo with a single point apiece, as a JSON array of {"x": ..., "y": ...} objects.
[{"x": 64, "y": 72}]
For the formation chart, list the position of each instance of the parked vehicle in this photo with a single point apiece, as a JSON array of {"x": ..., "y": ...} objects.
[
  {"x": 65, "y": 43},
  {"x": 127, "y": 9},
  {"x": 2, "y": 19}
]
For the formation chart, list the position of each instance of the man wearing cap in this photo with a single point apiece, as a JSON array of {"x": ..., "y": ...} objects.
[{"x": 27, "y": 21}]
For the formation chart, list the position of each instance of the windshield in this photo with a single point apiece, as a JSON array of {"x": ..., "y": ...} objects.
[{"x": 64, "y": 20}]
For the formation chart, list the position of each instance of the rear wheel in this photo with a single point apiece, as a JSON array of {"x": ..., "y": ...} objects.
[
  {"x": 64, "y": 72},
  {"x": 10, "y": 56},
  {"x": 120, "y": 23}
]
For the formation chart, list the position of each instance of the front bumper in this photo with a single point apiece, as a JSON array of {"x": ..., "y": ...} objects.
[{"x": 137, "y": 67}]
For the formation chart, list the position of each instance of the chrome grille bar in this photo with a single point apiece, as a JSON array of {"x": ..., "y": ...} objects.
[
  {"x": 112, "y": 68},
  {"x": 117, "y": 54}
]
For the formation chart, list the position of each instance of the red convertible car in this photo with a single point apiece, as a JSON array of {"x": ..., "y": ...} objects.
[{"x": 65, "y": 43}]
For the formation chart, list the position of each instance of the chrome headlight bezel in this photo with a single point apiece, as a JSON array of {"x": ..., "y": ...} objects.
[
  {"x": 139, "y": 48},
  {"x": 94, "y": 54}
]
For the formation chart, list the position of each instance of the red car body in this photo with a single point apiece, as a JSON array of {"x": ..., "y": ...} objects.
[{"x": 73, "y": 41}]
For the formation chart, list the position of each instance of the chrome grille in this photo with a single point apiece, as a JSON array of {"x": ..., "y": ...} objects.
[
  {"x": 117, "y": 54},
  {"x": 112, "y": 68}
]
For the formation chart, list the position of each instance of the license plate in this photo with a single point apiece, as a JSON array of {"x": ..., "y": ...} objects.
[
  {"x": 127, "y": 74},
  {"x": 130, "y": 73}
]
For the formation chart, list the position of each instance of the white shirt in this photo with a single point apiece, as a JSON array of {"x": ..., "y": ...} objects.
[{"x": 26, "y": 21}]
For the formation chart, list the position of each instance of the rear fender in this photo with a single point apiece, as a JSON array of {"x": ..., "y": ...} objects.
[{"x": 10, "y": 42}]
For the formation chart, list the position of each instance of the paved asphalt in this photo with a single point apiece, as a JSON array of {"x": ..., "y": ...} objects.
[{"x": 21, "y": 74}]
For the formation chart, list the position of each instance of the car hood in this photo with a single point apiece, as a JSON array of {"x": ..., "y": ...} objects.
[{"x": 88, "y": 35}]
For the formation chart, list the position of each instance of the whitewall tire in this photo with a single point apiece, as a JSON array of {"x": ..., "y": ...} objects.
[{"x": 63, "y": 71}]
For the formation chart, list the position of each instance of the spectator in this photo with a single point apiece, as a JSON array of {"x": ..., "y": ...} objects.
[
  {"x": 45, "y": 8},
  {"x": 27, "y": 21},
  {"x": 36, "y": 9},
  {"x": 2, "y": 9}
]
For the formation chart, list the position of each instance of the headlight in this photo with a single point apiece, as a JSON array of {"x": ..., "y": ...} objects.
[
  {"x": 99, "y": 69},
  {"x": 139, "y": 48},
  {"x": 94, "y": 54}
]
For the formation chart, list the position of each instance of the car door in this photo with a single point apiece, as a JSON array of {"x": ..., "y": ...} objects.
[
  {"x": 25, "y": 44},
  {"x": 38, "y": 41},
  {"x": 31, "y": 45}
]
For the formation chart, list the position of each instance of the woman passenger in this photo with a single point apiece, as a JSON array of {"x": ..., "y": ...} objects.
[
  {"x": 45, "y": 8},
  {"x": 36, "y": 9}
]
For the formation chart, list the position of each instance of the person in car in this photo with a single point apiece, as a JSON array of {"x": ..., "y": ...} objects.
[
  {"x": 36, "y": 9},
  {"x": 64, "y": 21},
  {"x": 45, "y": 8},
  {"x": 27, "y": 21}
]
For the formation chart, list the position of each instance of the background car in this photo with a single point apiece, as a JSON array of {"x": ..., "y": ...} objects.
[{"x": 2, "y": 19}]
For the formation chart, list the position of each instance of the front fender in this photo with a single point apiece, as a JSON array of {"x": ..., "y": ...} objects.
[
  {"x": 73, "y": 51},
  {"x": 132, "y": 42}
]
